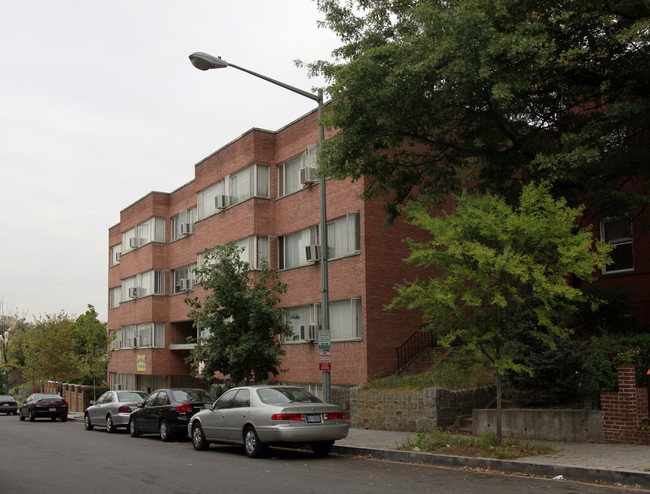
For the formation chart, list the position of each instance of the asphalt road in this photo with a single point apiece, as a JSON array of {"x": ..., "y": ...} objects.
[{"x": 55, "y": 457}]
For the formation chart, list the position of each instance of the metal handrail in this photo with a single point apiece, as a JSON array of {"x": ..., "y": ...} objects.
[{"x": 413, "y": 347}]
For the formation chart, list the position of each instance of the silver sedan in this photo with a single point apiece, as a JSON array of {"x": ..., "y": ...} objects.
[
  {"x": 261, "y": 416},
  {"x": 112, "y": 409}
]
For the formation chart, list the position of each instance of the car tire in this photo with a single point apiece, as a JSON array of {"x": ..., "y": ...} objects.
[
  {"x": 53, "y": 419},
  {"x": 64, "y": 418},
  {"x": 166, "y": 434},
  {"x": 253, "y": 447},
  {"x": 21, "y": 417},
  {"x": 110, "y": 426},
  {"x": 199, "y": 441},
  {"x": 133, "y": 428},
  {"x": 32, "y": 415},
  {"x": 87, "y": 423},
  {"x": 322, "y": 448}
]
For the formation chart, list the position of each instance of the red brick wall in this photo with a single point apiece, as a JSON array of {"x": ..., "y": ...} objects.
[{"x": 624, "y": 411}]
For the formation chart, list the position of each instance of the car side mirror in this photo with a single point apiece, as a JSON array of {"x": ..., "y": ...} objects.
[{"x": 92, "y": 402}]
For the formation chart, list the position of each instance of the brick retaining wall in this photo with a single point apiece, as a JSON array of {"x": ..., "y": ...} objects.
[{"x": 625, "y": 412}]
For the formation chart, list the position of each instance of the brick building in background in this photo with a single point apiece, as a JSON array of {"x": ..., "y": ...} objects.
[
  {"x": 257, "y": 190},
  {"x": 253, "y": 191}
]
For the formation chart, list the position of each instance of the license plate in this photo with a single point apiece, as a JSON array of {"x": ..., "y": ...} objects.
[
  {"x": 52, "y": 409},
  {"x": 313, "y": 419},
  {"x": 5, "y": 404}
]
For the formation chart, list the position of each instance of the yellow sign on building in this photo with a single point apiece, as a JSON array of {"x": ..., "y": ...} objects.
[{"x": 142, "y": 363}]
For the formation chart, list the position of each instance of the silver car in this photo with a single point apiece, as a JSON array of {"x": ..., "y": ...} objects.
[
  {"x": 261, "y": 416},
  {"x": 112, "y": 409}
]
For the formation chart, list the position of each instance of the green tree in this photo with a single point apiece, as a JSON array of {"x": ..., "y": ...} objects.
[
  {"x": 503, "y": 272},
  {"x": 91, "y": 347},
  {"x": 432, "y": 97},
  {"x": 238, "y": 320},
  {"x": 49, "y": 349}
]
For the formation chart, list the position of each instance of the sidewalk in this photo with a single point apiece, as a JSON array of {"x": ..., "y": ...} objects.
[{"x": 626, "y": 464}]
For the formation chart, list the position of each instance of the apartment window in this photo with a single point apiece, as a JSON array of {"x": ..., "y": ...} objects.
[
  {"x": 343, "y": 238},
  {"x": 291, "y": 248},
  {"x": 115, "y": 297},
  {"x": 183, "y": 278},
  {"x": 116, "y": 342},
  {"x": 146, "y": 335},
  {"x": 289, "y": 176},
  {"x": 128, "y": 337},
  {"x": 345, "y": 319},
  {"x": 144, "y": 284},
  {"x": 207, "y": 203},
  {"x": 251, "y": 181},
  {"x": 256, "y": 248},
  {"x": 619, "y": 234},
  {"x": 182, "y": 224},
  {"x": 152, "y": 230},
  {"x": 116, "y": 253}
]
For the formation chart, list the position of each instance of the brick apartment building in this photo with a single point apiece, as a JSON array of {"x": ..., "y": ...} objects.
[{"x": 251, "y": 191}]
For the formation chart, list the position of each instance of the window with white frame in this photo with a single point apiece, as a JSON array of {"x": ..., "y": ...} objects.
[
  {"x": 183, "y": 278},
  {"x": 128, "y": 337},
  {"x": 289, "y": 176},
  {"x": 144, "y": 284},
  {"x": 207, "y": 199},
  {"x": 146, "y": 335},
  {"x": 116, "y": 342},
  {"x": 291, "y": 248},
  {"x": 251, "y": 181},
  {"x": 115, "y": 297},
  {"x": 116, "y": 253},
  {"x": 618, "y": 233},
  {"x": 152, "y": 230},
  {"x": 344, "y": 319},
  {"x": 343, "y": 238},
  {"x": 255, "y": 249},
  {"x": 182, "y": 224}
]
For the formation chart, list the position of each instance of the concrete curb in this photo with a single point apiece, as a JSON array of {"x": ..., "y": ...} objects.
[{"x": 568, "y": 472}]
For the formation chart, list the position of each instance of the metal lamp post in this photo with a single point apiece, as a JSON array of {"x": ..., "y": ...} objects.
[{"x": 204, "y": 61}]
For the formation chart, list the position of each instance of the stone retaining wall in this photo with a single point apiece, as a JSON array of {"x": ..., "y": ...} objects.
[{"x": 414, "y": 411}]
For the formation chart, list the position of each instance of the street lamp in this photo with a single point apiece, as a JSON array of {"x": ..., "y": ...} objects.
[{"x": 204, "y": 61}]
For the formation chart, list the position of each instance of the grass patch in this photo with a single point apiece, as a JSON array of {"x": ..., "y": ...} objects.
[
  {"x": 442, "y": 442},
  {"x": 453, "y": 372}
]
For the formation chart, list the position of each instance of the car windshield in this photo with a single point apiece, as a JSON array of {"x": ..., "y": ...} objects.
[
  {"x": 6, "y": 398},
  {"x": 192, "y": 396},
  {"x": 286, "y": 395},
  {"x": 127, "y": 396}
]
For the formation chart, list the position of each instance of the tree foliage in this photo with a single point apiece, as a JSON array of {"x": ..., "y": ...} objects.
[
  {"x": 433, "y": 97},
  {"x": 503, "y": 272},
  {"x": 91, "y": 347},
  {"x": 238, "y": 320}
]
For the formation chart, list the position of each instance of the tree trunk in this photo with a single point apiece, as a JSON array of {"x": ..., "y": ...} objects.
[{"x": 498, "y": 421}]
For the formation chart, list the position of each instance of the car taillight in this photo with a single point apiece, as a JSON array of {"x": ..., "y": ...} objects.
[
  {"x": 124, "y": 409},
  {"x": 287, "y": 416},
  {"x": 184, "y": 408},
  {"x": 334, "y": 415}
]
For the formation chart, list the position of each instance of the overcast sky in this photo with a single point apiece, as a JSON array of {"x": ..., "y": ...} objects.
[{"x": 99, "y": 105}]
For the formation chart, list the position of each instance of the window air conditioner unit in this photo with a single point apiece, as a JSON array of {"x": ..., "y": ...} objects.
[
  {"x": 313, "y": 328},
  {"x": 134, "y": 344},
  {"x": 118, "y": 255},
  {"x": 118, "y": 344},
  {"x": 136, "y": 242},
  {"x": 308, "y": 175},
  {"x": 186, "y": 284},
  {"x": 308, "y": 333},
  {"x": 312, "y": 253},
  {"x": 221, "y": 202},
  {"x": 134, "y": 293},
  {"x": 186, "y": 228}
]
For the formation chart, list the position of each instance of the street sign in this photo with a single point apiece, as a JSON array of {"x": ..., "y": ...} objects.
[{"x": 324, "y": 360}]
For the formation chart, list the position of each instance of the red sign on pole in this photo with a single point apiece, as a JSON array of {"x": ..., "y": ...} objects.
[{"x": 325, "y": 361}]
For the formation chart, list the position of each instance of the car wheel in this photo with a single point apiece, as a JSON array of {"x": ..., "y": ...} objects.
[
  {"x": 110, "y": 426},
  {"x": 199, "y": 441},
  {"x": 64, "y": 418},
  {"x": 322, "y": 448},
  {"x": 133, "y": 428},
  {"x": 252, "y": 444},
  {"x": 53, "y": 419},
  {"x": 21, "y": 417},
  {"x": 87, "y": 423},
  {"x": 165, "y": 432},
  {"x": 32, "y": 416}
]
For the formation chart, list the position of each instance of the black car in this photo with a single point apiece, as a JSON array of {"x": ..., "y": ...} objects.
[
  {"x": 8, "y": 405},
  {"x": 44, "y": 405},
  {"x": 167, "y": 412}
]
